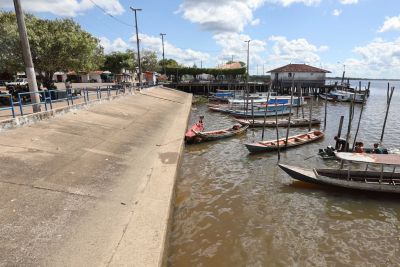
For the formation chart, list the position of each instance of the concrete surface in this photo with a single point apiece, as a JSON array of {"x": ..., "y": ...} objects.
[{"x": 93, "y": 187}]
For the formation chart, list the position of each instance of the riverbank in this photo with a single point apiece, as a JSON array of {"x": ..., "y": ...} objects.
[{"x": 93, "y": 187}]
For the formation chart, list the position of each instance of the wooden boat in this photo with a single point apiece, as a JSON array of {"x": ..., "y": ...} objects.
[
  {"x": 219, "y": 109},
  {"x": 281, "y": 122},
  {"x": 297, "y": 140},
  {"x": 258, "y": 114},
  {"x": 191, "y": 134},
  {"x": 378, "y": 181},
  {"x": 221, "y": 134}
]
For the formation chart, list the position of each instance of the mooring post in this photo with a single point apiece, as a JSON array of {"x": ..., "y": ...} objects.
[
  {"x": 339, "y": 131},
  {"x": 290, "y": 112},
  {"x": 359, "y": 122},
  {"x": 310, "y": 116},
  {"x": 351, "y": 115},
  {"x": 252, "y": 110},
  {"x": 389, "y": 100},
  {"x": 326, "y": 111},
  {"x": 277, "y": 129},
  {"x": 266, "y": 109}
]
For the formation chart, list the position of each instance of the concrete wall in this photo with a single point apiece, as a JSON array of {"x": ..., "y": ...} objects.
[{"x": 302, "y": 76}]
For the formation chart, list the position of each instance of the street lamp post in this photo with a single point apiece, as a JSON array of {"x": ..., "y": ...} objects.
[
  {"x": 137, "y": 44},
  {"x": 163, "y": 56}
]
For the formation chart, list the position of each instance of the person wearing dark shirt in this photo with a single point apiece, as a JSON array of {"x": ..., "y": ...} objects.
[
  {"x": 341, "y": 144},
  {"x": 377, "y": 149}
]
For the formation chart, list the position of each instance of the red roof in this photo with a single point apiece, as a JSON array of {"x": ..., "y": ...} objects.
[
  {"x": 299, "y": 68},
  {"x": 233, "y": 65}
]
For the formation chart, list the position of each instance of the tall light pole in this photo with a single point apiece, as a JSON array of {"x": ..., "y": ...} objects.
[
  {"x": 137, "y": 44},
  {"x": 26, "y": 53},
  {"x": 163, "y": 58}
]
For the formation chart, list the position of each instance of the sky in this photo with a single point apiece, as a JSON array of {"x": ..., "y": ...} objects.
[{"x": 361, "y": 37}]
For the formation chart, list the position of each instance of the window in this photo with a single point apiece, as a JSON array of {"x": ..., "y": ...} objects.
[{"x": 289, "y": 74}]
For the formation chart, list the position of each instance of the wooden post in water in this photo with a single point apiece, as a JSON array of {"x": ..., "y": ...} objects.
[
  {"x": 359, "y": 122},
  {"x": 310, "y": 117},
  {"x": 290, "y": 112},
  {"x": 351, "y": 115},
  {"x": 389, "y": 100},
  {"x": 252, "y": 109},
  {"x": 326, "y": 111},
  {"x": 266, "y": 109},
  {"x": 298, "y": 100},
  {"x": 277, "y": 129},
  {"x": 302, "y": 105},
  {"x": 339, "y": 130}
]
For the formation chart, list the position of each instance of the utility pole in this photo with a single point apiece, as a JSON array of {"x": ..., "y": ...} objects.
[
  {"x": 137, "y": 44},
  {"x": 232, "y": 58},
  {"x": 26, "y": 52},
  {"x": 163, "y": 57},
  {"x": 201, "y": 64}
]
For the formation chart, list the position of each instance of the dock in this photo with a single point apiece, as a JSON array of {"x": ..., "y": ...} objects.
[{"x": 95, "y": 186}]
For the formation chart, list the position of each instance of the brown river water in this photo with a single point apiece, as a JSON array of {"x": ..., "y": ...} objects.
[{"x": 236, "y": 209}]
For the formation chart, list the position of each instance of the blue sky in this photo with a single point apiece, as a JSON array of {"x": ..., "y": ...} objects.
[{"x": 363, "y": 35}]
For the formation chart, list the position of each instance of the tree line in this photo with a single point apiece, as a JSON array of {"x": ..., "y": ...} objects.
[{"x": 62, "y": 45}]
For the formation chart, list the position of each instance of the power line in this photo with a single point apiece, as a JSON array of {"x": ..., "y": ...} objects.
[{"x": 112, "y": 16}]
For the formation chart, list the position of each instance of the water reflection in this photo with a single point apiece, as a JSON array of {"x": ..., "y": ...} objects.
[{"x": 233, "y": 209}]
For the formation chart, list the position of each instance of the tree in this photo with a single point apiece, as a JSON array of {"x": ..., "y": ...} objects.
[
  {"x": 56, "y": 45},
  {"x": 169, "y": 63},
  {"x": 149, "y": 61},
  {"x": 116, "y": 61}
]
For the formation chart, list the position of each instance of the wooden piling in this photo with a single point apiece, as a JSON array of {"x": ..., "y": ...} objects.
[
  {"x": 389, "y": 100},
  {"x": 290, "y": 112},
  {"x": 326, "y": 111},
  {"x": 339, "y": 131},
  {"x": 359, "y": 122},
  {"x": 277, "y": 129},
  {"x": 311, "y": 110},
  {"x": 266, "y": 109}
]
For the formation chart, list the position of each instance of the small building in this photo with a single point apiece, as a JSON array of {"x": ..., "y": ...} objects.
[
  {"x": 150, "y": 77},
  {"x": 59, "y": 76},
  {"x": 306, "y": 75}
]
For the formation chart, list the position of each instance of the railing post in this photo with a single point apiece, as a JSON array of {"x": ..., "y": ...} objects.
[
  {"x": 20, "y": 104},
  {"x": 12, "y": 106}
]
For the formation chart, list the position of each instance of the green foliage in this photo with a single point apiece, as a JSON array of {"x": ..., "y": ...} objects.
[
  {"x": 116, "y": 61},
  {"x": 149, "y": 61},
  {"x": 196, "y": 71},
  {"x": 169, "y": 63},
  {"x": 56, "y": 45}
]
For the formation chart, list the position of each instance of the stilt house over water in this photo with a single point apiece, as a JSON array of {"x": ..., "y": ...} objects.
[{"x": 306, "y": 75}]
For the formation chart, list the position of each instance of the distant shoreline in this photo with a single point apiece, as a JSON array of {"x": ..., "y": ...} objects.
[{"x": 368, "y": 79}]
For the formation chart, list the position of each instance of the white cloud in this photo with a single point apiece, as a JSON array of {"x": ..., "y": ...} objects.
[
  {"x": 295, "y": 51},
  {"x": 233, "y": 44},
  {"x": 336, "y": 12},
  {"x": 391, "y": 23},
  {"x": 116, "y": 45},
  {"x": 348, "y": 2},
  {"x": 69, "y": 8},
  {"x": 220, "y": 15},
  {"x": 184, "y": 56},
  {"x": 286, "y": 3},
  {"x": 378, "y": 59}
]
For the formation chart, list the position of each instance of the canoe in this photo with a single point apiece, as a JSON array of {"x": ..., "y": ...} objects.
[
  {"x": 221, "y": 134},
  {"x": 281, "y": 122},
  {"x": 258, "y": 114},
  {"x": 368, "y": 180},
  {"x": 191, "y": 134},
  {"x": 296, "y": 140}
]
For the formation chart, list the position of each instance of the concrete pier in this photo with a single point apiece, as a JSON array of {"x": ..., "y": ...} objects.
[{"x": 93, "y": 187}]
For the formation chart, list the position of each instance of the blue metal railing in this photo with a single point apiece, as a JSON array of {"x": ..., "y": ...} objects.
[
  {"x": 11, "y": 103},
  {"x": 49, "y": 97}
]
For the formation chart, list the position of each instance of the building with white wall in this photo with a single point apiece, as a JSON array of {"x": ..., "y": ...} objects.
[{"x": 303, "y": 74}]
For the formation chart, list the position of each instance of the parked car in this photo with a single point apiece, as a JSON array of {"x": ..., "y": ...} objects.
[{"x": 18, "y": 82}]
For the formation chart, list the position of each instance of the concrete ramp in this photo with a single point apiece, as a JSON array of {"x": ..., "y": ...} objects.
[{"x": 93, "y": 187}]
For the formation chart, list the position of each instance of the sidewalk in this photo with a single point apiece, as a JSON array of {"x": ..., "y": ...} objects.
[{"x": 93, "y": 187}]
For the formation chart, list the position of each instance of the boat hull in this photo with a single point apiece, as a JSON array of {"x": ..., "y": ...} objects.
[
  {"x": 221, "y": 134},
  {"x": 293, "y": 141},
  {"x": 281, "y": 123},
  {"x": 389, "y": 184}
]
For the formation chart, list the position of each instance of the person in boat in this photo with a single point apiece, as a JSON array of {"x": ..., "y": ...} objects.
[
  {"x": 236, "y": 127},
  {"x": 359, "y": 148},
  {"x": 341, "y": 144},
  {"x": 377, "y": 149}
]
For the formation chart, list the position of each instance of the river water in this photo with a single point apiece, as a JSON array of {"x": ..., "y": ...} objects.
[{"x": 236, "y": 209}]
